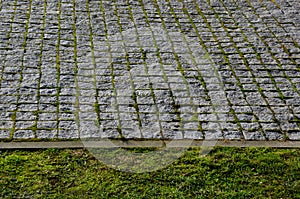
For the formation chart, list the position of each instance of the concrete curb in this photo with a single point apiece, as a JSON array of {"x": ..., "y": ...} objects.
[{"x": 134, "y": 143}]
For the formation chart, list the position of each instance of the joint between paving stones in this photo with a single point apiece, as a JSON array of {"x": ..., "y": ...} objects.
[
  {"x": 14, "y": 114},
  {"x": 96, "y": 103},
  {"x": 226, "y": 60},
  {"x": 200, "y": 76},
  {"x": 119, "y": 127},
  {"x": 158, "y": 53},
  {"x": 231, "y": 111},
  {"x": 39, "y": 66},
  {"x": 77, "y": 103},
  {"x": 268, "y": 71},
  {"x": 178, "y": 67},
  {"x": 58, "y": 69},
  {"x": 251, "y": 46},
  {"x": 144, "y": 57},
  {"x": 133, "y": 94},
  {"x": 249, "y": 69}
]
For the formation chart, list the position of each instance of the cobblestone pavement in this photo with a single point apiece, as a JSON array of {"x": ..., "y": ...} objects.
[{"x": 215, "y": 69}]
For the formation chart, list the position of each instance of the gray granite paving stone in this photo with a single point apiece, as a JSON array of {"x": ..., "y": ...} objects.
[{"x": 150, "y": 69}]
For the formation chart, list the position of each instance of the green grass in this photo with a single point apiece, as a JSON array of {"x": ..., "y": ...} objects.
[{"x": 224, "y": 173}]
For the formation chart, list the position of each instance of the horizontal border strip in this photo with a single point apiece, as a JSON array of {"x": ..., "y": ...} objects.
[{"x": 146, "y": 143}]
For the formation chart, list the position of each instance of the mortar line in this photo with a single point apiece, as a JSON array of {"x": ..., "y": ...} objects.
[
  {"x": 24, "y": 44},
  {"x": 262, "y": 63},
  {"x": 279, "y": 24},
  {"x": 270, "y": 75},
  {"x": 158, "y": 53},
  {"x": 20, "y": 80},
  {"x": 76, "y": 67},
  {"x": 155, "y": 45},
  {"x": 40, "y": 67},
  {"x": 57, "y": 46},
  {"x": 13, "y": 117},
  {"x": 241, "y": 54},
  {"x": 253, "y": 77},
  {"x": 119, "y": 129},
  {"x": 176, "y": 56},
  {"x": 272, "y": 54},
  {"x": 128, "y": 69},
  {"x": 284, "y": 48},
  {"x": 232, "y": 111},
  {"x": 144, "y": 57},
  {"x": 96, "y": 103},
  {"x": 200, "y": 76},
  {"x": 8, "y": 41}
]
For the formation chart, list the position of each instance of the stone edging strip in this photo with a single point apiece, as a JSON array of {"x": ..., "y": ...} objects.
[{"x": 135, "y": 143}]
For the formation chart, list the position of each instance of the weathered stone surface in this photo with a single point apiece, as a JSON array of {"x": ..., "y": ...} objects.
[{"x": 219, "y": 70}]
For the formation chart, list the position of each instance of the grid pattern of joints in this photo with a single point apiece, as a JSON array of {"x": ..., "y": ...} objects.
[{"x": 150, "y": 69}]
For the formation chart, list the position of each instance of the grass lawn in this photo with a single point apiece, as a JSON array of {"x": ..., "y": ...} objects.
[{"x": 223, "y": 173}]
